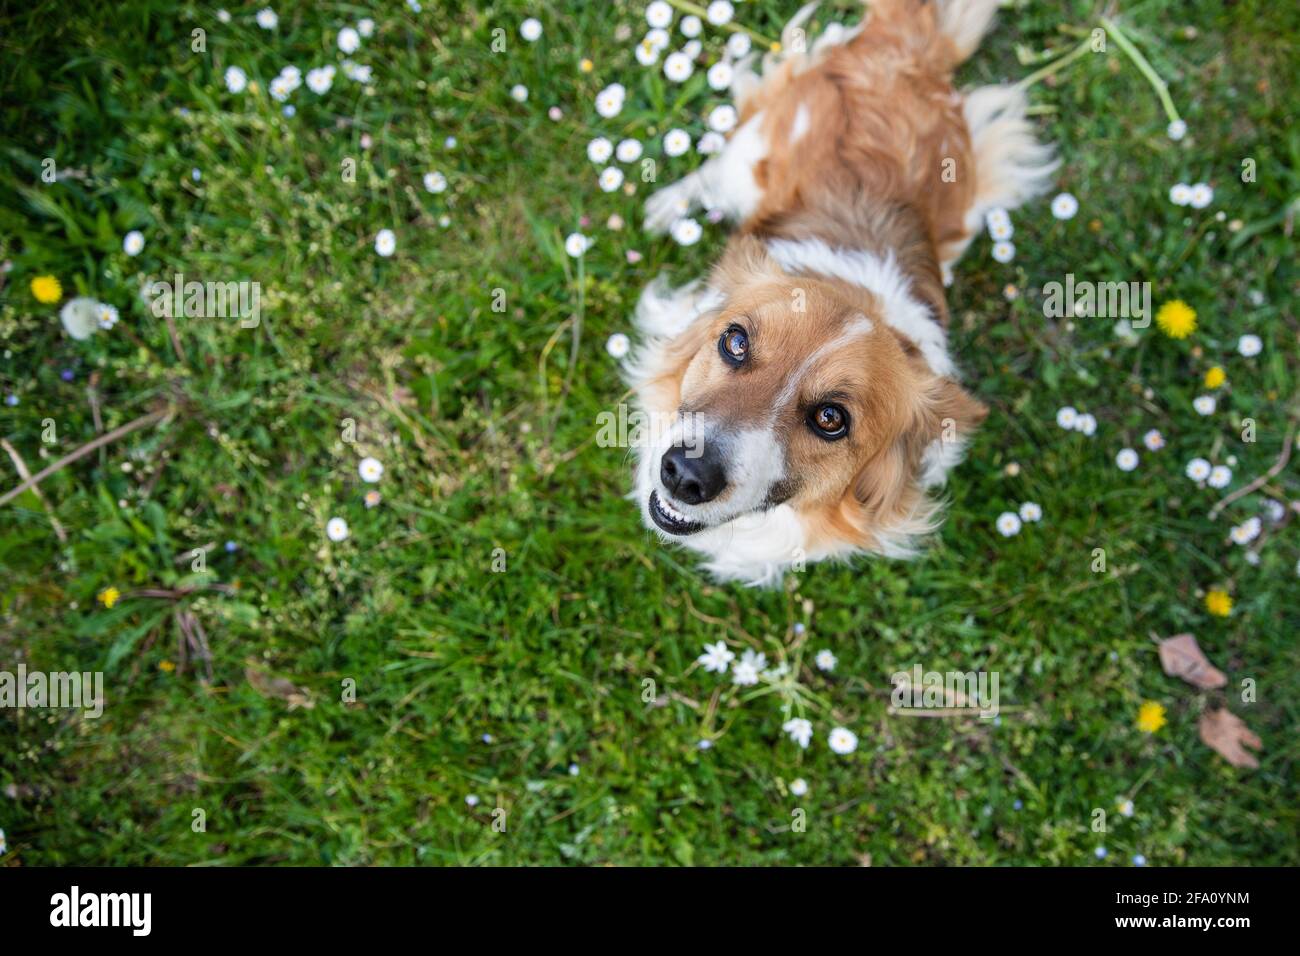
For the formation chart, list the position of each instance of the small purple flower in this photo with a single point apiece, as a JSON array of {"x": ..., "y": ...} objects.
[{"x": 67, "y": 375}]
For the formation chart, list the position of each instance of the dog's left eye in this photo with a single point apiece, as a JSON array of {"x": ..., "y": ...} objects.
[
  {"x": 829, "y": 421},
  {"x": 734, "y": 345}
]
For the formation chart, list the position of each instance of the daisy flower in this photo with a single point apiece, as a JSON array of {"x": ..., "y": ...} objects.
[
  {"x": 686, "y": 232},
  {"x": 997, "y": 216},
  {"x": 800, "y": 731},
  {"x": 1001, "y": 231},
  {"x": 1198, "y": 469},
  {"x": 799, "y": 787},
  {"x": 106, "y": 315},
  {"x": 693, "y": 48},
  {"x": 266, "y": 18},
  {"x": 599, "y": 150},
  {"x": 611, "y": 177},
  {"x": 1204, "y": 404},
  {"x": 678, "y": 67},
  {"x": 719, "y": 13},
  {"x": 659, "y": 14},
  {"x": 46, "y": 289},
  {"x": 1180, "y": 194},
  {"x": 385, "y": 243},
  {"x": 719, "y": 75},
  {"x": 1086, "y": 424},
  {"x": 471, "y": 799},
  {"x": 1176, "y": 130},
  {"x": 365, "y": 26},
  {"x": 372, "y": 498},
  {"x": 690, "y": 26},
  {"x": 1176, "y": 319},
  {"x": 1220, "y": 477},
  {"x": 738, "y": 45},
  {"x": 223, "y": 15},
  {"x": 1031, "y": 511},
  {"x": 609, "y": 101},
  {"x": 1218, "y": 603},
  {"x": 1247, "y": 531},
  {"x": 711, "y": 143},
  {"x": 1151, "y": 717},
  {"x": 825, "y": 661},
  {"x": 356, "y": 72},
  {"x": 236, "y": 79},
  {"x": 1067, "y": 417},
  {"x": 80, "y": 317},
  {"x": 349, "y": 40},
  {"x": 676, "y": 142},
  {"x": 133, "y": 242},
  {"x": 843, "y": 741},
  {"x": 370, "y": 470},
  {"x": 1004, "y": 251},
  {"x": 647, "y": 52},
  {"x": 320, "y": 79},
  {"x": 519, "y": 93},
  {"x": 716, "y": 657},
  {"x": 435, "y": 182},
  {"x": 1008, "y": 524},
  {"x": 1201, "y": 196},
  {"x": 336, "y": 529},
  {"x": 1250, "y": 345},
  {"x": 1125, "y": 806},
  {"x": 1127, "y": 459},
  {"x": 576, "y": 244},
  {"x": 1065, "y": 206},
  {"x": 531, "y": 29},
  {"x": 722, "y": 119},
  {"x": 618, "y": 345},
  {"x": 1154, "y": 440},
  {"x": 628, "y": 151}
]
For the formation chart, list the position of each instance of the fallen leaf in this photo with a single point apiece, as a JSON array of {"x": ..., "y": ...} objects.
[
  {"x": 278, "y": 687},
  {"x": 1227, "y": 733},
  {"x": 1181, "y": 656}
]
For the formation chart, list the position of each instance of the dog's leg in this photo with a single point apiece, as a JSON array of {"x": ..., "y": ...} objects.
[{"x": 725, "y": 183}]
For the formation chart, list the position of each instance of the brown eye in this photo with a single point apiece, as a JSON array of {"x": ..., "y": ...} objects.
[
  {"x": 734, "y": 345},
  {"x": 829, "y": 421}
]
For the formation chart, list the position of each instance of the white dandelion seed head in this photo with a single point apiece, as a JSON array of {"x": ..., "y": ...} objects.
[
  {"x": 799, "y": 787},
  {"x": 1176, "y": 130},
  {"x": 266, "y": 18},
  {"x": 80, "y": 317}
]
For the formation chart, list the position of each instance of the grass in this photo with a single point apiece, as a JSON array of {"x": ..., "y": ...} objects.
[{"x": 487, "y": 432}]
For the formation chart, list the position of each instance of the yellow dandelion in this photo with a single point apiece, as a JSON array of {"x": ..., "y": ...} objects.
[
  {"x": 586, "y": 66},
  {"x": 776, "y": 46},
  {"x": 1215, "y": 377},
  {"x": 47, "y": 289},
  {"x": 109, "y": 596},
  {"x": 1176, "y": 319},
  {"x": 1218, "y": 603},
  {"x": 1151, "y": 717},
  {"x": 167, "y": 666}
]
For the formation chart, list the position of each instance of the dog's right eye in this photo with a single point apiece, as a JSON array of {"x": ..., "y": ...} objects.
[{"x": 734, "y": 345}]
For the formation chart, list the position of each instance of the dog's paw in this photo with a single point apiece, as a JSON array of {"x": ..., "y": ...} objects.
[{"x": 666, "y": 206}]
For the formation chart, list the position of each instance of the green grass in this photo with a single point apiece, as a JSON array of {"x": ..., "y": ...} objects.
[{"x": 488, "y": 437}]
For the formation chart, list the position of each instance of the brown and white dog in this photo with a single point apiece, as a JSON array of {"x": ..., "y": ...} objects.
[{"x": 812, "y": 401}]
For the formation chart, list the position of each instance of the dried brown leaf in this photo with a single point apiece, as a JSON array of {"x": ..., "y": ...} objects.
[
  {"x": 278, "y": 687},
  {"x": 1181, "y": 656},
  {"x": 1228, "y": 734}
]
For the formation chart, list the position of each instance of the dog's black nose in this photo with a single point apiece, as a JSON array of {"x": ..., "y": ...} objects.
[{"x": 692, "y": 480}]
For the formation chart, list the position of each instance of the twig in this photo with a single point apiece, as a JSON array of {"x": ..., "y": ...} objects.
[
  {"x": 24, "y": 474},
  {"x": 143, "y": 422},
  {"x": 1262, "y": 479}
]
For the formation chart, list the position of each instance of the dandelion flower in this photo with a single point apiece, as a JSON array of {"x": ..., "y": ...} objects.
[
  {"x": 1176, "y": 319},
  {"x": 1004, "y": 251},
  {"x": 133, "y": 242},
  {"x": 435, "y": 182},
  {"x": 531, "y": 29},
  {"x": 1126, "y": 460},
  {"x": 1250, "y": 345},
  {"x": 109, "y": 596},
  {"x": 628, "y": 151},
  {"x": 1201, "y": 196},
  {"x": 236, "y": 79},
  {"x": 370, "y": 470},
  {"x": 716, "y": 657},
  {"x": 618, "y": 345},
  {"x": 843, "y": 741},
  {"x": 678, "y": 67},
  {"x": 336, "y": 529},
  {"x": 659, "y": 14},
  {"x": 1151, "y": 717},
  {"x": 800, "y": 731},
  {"x": 1067, "y": 417},
  {"x": 1180, "y": 194},
  {"x": 799, "y": 787},
  {"x": 676, "y": 142},
  {"x": 686, "y": 232},
  {"x": 80, "y": 317},
  {"x": 1031, "y": 511},
  {"x": 1204, "y": 404},
  {"x": 1218, "y": 603},
  {"x": 46, "y": 289},
  {"x": 576, "y": 244},
  {"x": 1065, "y": 206},
  {"x": 1008, "y": 524},
  {"x": 385, "y": 243},
  {"x": 722, "y": 119},
  {"x": 1215, "y": 377},
  {"x": 825, "y": 661},
  {"x": 611, "y": 177},
  {"x": 719, "y": 13},
  {"x": 1220, "y": 477},
  {"x": 266, "y": 19}
]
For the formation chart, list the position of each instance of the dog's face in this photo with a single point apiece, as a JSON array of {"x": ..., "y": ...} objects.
[{"x": 794, "y": 390}]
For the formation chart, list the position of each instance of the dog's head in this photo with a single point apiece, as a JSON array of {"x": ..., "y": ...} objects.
[{"x": 798, "y": 391}]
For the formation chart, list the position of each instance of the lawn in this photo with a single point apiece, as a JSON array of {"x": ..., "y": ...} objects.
[{"x": 498, "y": 664}]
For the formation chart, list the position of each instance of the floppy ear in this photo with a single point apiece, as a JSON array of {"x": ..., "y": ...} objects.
[
  {"x": 950, "y": 413},
  {"x": 745, "y": 260}
]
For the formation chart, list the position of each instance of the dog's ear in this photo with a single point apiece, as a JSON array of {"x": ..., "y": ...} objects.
[
  {"x": 745, "y": 261},
  {"x": 949, "y": 413}
]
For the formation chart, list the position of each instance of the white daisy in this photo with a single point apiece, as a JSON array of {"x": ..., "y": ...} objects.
[
  {"x": 1067, "y": 417},
  {"x": 1202, "y": 195},
  {"x": 676, "y": 142},
  {"x": 1087, "y": 424},
  {"x": 825, "y": 661},
  {"x": 223, "y": 15},
  {"x": 1064, "y": 206},
  {"x": 1008, "y": 524},
  {"x": 531, "y": 29},
  {"x": 659, "y": 38},
  {"x": 357, "y": 72},
  {"x": 686, "y": 232},
  {"x": 370, "y": 470},
  {"x": 799, "y": 787},
  {"x": 611, "y": 177},
  {"x": 1180, "y": 194},
  {"x": 106, "y": 316},
  {"x": 365, "y": 26},
  {"x": 843, "y": 741},
  {"x": 647, "y": 52},
  {"x": 678, "y": 67},
  {"x": 1153, "y": 440},
  {"x": 1124, "y": 806},
  {"x": 738, "y": 45},
  {"x": 722, "y": 118},
  {"x": 349, "y": 40},
  {"x": 435, "y": 182},
  {"x": 1220, "y": 477},
  {"x": 618, "y": 345},
  {"x": 719, "y": 13},
  {"x": 1276, "y": 510},
  {"x": 576, "y": 244},
  {"x": 1198, "y": 469},
  {"x": 266, "y": 18},
  {"x": 690, "y": 26},
  {"x": 279, "y": 88},
  {"x": 1176, "y": 130},
  {"x": 133, "y": 242},
  {"x": 711, "y": 143},
  {"x": 716, "y": 657},
  {"x": 519, "y": 93},
  {"x": 1031, "y": 511},
  {"x": 719, "y": 75},
  {"x": 1001, "y": 231},
  {"x": 609, "y": 101},
  {"x": 1204, "y": 404},
  {"x": 659, "y": 14},
  {"x": 628, "y": 151},
  {"x": 1247, "y": 531},
  {"x": 997, "y": 215},
  {"x": 1127, "y": 459},
  {"x": 320, "y": 79},
  {"x": 693, "y": 48},
  {"x": 471, "y": 799},
  {"x": 599, "y": 150},
  {"x": 1004, "y": 251},
  {"x": 800, "y": 731},
  {"x": 385, "y": 242},
  {"x": 1250, "y": 345},
  {"x": 236, "y": 79},
  {"x": 336, "y": 529}
]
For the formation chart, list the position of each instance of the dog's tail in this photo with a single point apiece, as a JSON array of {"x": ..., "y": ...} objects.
[{"x": 951, "y": 30}]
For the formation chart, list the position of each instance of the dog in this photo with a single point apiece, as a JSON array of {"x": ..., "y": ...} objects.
[{"x": 811, "y": 401}]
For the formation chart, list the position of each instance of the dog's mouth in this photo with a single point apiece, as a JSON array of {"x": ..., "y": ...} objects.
[{"x": 669, "y": 519}]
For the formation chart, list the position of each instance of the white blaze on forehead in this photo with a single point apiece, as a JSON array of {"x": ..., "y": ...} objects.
[{"x": 855, "y": 328}]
